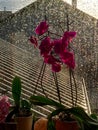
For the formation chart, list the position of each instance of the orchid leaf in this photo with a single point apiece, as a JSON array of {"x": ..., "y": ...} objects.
[
  {"x": 25, "y": 104},
  {"x": 51, "y": 125},
  {"x": 55, "y": 112},
  {"x": 40, "y": 100},
  {"x": 78, "y": 111},
  {"x": 16, "y": 90}
]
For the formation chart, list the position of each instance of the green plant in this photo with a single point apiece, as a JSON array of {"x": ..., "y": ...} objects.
[
  {"x": 84, "y": 121},
  {"x": 21, "y": 107}
]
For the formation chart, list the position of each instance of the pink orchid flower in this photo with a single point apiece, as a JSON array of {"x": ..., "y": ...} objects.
[
  {"x": 68, "y": 58},
  {"x": 58, "y": 48},
  {"x": 49, "y": 59},
  {"x": 56, "y": 67},
  {"x": 45, "y": 46},
  {"x": 68, "y": 36},
  {"x": 54, "y": 51},
  {"x": 33, "y": 40},
  {"x": 42, "y": 28},
  {"x": 4, "y": 107}
]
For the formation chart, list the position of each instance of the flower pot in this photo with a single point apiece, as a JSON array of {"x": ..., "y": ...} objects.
[
  {"x": 41, "y": 124},
  {"x": 59, "y": 125},
  {"x": 66, "y": 125},
  {"x": 24, "y": 123}
]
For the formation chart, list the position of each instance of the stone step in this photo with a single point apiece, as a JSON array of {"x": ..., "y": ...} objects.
[{"x": 15, "y": 61}]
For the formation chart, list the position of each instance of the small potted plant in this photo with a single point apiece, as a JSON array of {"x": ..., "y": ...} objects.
[
  {"x": 63, "y": 118},
  {"x": 21, "y": 111}
]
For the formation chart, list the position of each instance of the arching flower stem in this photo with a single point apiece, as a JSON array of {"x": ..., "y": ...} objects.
[
  {"x": 40, "y": 77},
  {"x": 70, "y": 75},
  {"x": 57, "y": 86},
  {"x": 75, "y": 85}
]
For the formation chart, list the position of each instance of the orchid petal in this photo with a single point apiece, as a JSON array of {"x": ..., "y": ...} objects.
[
  {"x": 42, "y": 28},
  {"x": 56, "y": 67}
]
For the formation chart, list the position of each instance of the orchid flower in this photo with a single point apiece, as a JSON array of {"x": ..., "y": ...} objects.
[
  {"x": 33, "y": 40},
  {"x": 54, "y": 51},
  {"x": 4, "y": 107},
  {"x": 42, "y": 28}
]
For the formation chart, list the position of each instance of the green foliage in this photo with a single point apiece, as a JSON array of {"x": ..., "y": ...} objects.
[
  {"x": 94, "y": 116},
  {"x": 22, "y": 107},
  {"x": 25, "y": 105},
  {"x": 16, "y": 93},
  {"x": 41, "y": 101},
  {"x": 51, "y": 125},
  {"x": 16, "y": 90},
  {"x": 85, "y": 121}
]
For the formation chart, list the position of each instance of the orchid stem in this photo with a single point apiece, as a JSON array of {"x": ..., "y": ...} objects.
[
  {"x": 75, "y": 87},
  {"x": 41, "y": 74},
  {"x": 70, "y": 75},
  {"x": 56, "y": 83},
  {"x": 54, "y": 33},
  {"x": 44, "y": 66}
]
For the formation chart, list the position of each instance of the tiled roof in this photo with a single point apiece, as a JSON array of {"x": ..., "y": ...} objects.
[{"x": 15, "y": 61}]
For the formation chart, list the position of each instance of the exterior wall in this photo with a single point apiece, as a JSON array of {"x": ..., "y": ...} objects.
[
  {"x": 4, "y": 14},
  {"x": 85, "y": 45}
]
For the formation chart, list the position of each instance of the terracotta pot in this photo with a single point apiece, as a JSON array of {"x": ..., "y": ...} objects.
[
  {"x": 66, "y": 125},
  {"x": 41, "y": 124},
  {"x": 24, "y": 123}
]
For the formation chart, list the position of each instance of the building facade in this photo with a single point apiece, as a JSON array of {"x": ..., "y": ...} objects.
[{"x": 20, "y": 26}]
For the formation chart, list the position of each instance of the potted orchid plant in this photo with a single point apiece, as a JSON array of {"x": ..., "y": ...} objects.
[
  {"x": 63, "y": 118},
  {"x": 57, "y": 52},
  {"x": 21, "y": 111}
]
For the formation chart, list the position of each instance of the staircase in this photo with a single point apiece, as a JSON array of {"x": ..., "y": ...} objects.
[{"x": 16, "y": 61}]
